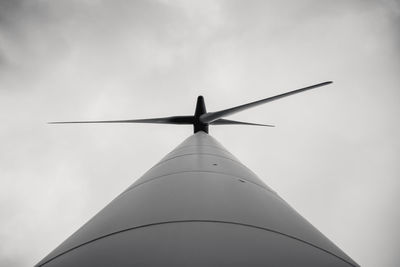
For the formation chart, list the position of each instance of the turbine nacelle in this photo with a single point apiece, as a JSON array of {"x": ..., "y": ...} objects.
[{"x": 202, "y": 119}]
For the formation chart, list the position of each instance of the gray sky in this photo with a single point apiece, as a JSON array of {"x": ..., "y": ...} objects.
[{"x": 334, "y": 155}]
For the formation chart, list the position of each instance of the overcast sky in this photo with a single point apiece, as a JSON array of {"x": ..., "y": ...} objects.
[{"x": 334, "y": 155}]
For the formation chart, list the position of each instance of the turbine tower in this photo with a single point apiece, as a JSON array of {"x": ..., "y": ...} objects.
[{"x": 198, "y": 206}]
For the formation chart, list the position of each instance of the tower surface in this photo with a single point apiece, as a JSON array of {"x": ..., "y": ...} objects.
[{"x": 199, "y": 206}]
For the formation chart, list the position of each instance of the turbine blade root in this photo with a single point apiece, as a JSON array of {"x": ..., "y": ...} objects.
[{"x": 231, "y": 122}]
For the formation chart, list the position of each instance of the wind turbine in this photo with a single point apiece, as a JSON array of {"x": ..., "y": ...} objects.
[{"x": 198, "y": 206}]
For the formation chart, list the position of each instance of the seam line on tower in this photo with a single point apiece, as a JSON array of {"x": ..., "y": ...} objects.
[{"x": 206, "y": 221}]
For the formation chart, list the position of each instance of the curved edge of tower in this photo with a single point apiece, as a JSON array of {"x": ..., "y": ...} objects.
[{"x": 199, "y": 206}]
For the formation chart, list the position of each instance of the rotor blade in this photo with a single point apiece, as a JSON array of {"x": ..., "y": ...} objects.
[
  {"x": 212, "y": 116},
  {"x": 165, "y": 120},
  {"x": 230, "y": 122}
]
